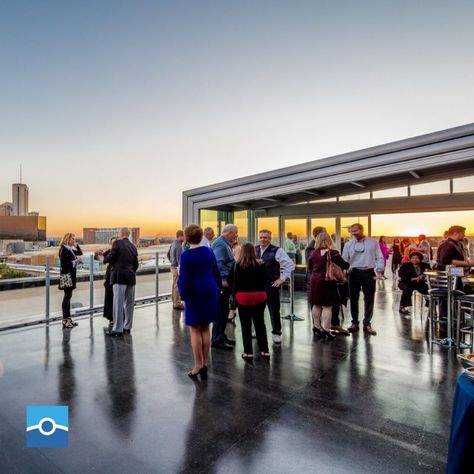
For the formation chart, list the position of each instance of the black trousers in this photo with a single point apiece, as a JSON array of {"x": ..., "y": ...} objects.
[
  {"x": 247, "y": 315},
  {"x": 66, "y": 305},
  {"x": 109, "y": 302},
  {"x": 218, "y": 328},
  {"x": 273, "y": 303},
  {"x": 362, "y": 280},
  {"x": 408, "y": 289}
]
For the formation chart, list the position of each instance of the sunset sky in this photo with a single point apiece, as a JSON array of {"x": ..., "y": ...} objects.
[{"x": 115, "y": 107}]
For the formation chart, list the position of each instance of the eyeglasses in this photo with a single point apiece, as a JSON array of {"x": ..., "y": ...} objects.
[{"x": 359, "y": 246}]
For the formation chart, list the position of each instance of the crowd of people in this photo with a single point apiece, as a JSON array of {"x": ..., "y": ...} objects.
[{"x": 213, "y": 279}]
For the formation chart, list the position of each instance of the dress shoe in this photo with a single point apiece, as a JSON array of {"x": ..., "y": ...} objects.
[
  {"x": 353, "y": 328},
  {"x": 369, "y": 330},
  {"x": 230, "y": 342},
  {"x": 127, "y": 331},
  {"x": 276, "y": 339},
  {"x": 113, "y": 333},
  {"x": 222, "y": 345},
  {"x": 340, "y": 330}
]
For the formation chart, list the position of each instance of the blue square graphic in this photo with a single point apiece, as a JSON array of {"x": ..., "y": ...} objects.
[{"x": 47, "y": 426}]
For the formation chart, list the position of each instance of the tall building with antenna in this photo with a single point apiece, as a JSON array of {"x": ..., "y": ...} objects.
[{"x": 20, "y": 199}]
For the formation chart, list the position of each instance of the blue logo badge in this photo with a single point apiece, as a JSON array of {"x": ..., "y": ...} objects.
[{"x": 47, "y": 426}]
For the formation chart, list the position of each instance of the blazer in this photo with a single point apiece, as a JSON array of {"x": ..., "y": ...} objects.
[
  {"x": 407, "y": 271},
  {"x": 124, "y": 260},
  {"x": 66, "y": 261}
]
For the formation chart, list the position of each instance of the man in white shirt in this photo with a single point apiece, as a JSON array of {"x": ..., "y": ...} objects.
[
  {"x": 279, "y": 267},
  {"x": 365, "y": 256},
  {"x": 208, "y": 237}
]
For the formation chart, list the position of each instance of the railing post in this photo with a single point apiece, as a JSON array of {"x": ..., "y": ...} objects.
[
  {"x": 48, "y": 287},
  {"x": 292, "y": 316},
  {"x": 91, "y": 281},
  {"x": 157, "y": 276}
]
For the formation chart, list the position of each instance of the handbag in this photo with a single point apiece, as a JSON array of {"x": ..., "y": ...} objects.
[
  {"x": 65, "y": 281},
  {"x": 334, "y": 272}
]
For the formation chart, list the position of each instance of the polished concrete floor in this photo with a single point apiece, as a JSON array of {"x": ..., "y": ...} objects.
[{"x": 358, "y": 404}]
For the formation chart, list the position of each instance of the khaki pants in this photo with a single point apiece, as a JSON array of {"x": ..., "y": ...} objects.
[{"x": 174, "y": 288}]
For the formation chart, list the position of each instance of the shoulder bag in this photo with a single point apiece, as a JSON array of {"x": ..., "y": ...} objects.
[{"x": 334, "y": 272}]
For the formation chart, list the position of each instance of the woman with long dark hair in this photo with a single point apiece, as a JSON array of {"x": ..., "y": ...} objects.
[
  {"x": 69, "y": 251},
  {"x": 247, "y": 279}
]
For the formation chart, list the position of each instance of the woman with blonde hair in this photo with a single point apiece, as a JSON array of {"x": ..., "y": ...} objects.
[
  {"x": 323, "y": 293},
  {"x": 69, "y": 251}
]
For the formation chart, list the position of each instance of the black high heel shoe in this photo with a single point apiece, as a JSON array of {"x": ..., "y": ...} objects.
[
  {"x": 203, "y": 372},
  {"x": 318, "y": 332},
  {"x": 329, "y": 335},
  {"x": 192, "y": 375}
]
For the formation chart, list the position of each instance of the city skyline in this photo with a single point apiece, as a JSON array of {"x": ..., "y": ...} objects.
[{"x": 115, "y": 108}]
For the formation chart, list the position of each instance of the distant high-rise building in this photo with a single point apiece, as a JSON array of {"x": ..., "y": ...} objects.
[
  {"x": 94, "y": 235},
  {"x": 6, "y": 209},
  {"x": 20, "y": 199}
]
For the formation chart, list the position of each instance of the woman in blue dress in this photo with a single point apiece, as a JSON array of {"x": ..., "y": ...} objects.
[{"x": 199, "y": 282}]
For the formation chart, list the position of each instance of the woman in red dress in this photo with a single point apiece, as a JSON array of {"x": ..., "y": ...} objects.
[{"x": 323, "y": 293}]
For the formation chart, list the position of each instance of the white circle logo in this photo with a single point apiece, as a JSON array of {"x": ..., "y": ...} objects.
[{"x": 42, "y": 430}]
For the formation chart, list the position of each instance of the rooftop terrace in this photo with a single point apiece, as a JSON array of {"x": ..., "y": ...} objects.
[{"x": 358, "y": 404}]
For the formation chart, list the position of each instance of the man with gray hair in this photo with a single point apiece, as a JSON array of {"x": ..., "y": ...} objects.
[
  {"x": 208, "y": 237},
  {"x": 225, "y": 260},
  {"x": 124, "y": 260}
]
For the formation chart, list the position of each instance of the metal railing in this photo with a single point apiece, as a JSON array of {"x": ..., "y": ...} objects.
[{"x": 92, "y": 308}]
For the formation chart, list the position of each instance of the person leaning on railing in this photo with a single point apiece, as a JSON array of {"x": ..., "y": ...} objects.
[{"x": 69, "y": 251}]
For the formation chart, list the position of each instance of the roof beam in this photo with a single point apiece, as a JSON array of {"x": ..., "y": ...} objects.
[
  {"x": 415, "y": 174},
  {"x": 312, "y": 193},
  {"x": 359, "y": 185}
]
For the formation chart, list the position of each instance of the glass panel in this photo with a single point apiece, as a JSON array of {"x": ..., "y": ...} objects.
[
  {"x": 241, "y": 220},
  {"x": 432, "y": 224},
  {"x": 271, "y": 224},
  {"x": 346, "y": 222},
  {"x": 392, "y": 192},
  {"x": 328, "y": 222},
  {"x": 463, "y": 185},
  {"x": 297, "y": 228},
  {"x": 215, "y": 219},
  {"x": 436, "y": 187},
  {"x": 354, "y": 197},
  {"x": 324, "y": 200}
]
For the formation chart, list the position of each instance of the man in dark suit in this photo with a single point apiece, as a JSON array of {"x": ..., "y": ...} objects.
[{"x": 124, "y": 260}]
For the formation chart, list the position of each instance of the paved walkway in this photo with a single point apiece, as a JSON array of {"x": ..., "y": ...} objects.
[{"x": 358, "y": 404}]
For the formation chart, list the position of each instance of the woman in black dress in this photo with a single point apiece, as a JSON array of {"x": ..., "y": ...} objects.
[
  {"x": 69, "y": 252},
  {"x": 396, "y": 255},
  {"x": 323, "y": 293}
]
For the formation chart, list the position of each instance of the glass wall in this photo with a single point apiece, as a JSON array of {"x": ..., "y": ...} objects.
[
  {"x": 215, "y": 219},
  {"x": 346, "y": 222},
  {"x": 328, "y": 222},
  {"x": 354, "y": 197},
  {"x": 392, "y": 192},
  {"x": 437, "y": 187},
  {"x": 271, "y": 224},
  {"x": 241, "y": 220},
  {"x": 298, "y": 228},
  {"x": 463, "y": 185}
]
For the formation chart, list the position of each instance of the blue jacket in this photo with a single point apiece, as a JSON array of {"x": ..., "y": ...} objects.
[{"x": 224, "y": 256}]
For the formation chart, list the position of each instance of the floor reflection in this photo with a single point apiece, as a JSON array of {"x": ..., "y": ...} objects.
[
  {"x": 121, "y": 388},
  {"x": 67, "y": 379}
]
